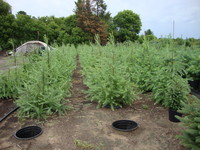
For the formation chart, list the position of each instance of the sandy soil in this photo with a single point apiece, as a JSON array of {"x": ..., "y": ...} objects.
[
  {"x": 6, "y": 62},
  {"x": 86, "y": 127}
]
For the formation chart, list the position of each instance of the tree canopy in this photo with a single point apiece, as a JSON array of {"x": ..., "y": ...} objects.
[
  {"x": 101, "y": 10},
  {"x": 90, "y": 18},
  {"x": 5, "y": 8},
  {"x": 148, "y": 32},
  {"x": 127, "y": 25}
]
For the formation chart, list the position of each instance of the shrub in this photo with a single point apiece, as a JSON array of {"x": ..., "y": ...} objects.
[
  {"x": 170, "y": 89},
  {"x": 190, "y": 136},
  {"x": 48, "y": 83},
  {"x": 105, "y": 72},
  {"x": 11, "y": 81}
]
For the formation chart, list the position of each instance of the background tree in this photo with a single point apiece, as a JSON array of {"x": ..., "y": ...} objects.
[
  {"x": 71, "y": 33},
  {"x": 7, "y": 30},
  {"x": 148, "y": 32},
  {"x": 190, "y": 135},
  {"x": 101, "y": 10},
  {"x": 149, "y": 35},
  {"x": 26, "y": 29},
  {"x": 21, "y": 13},
  {"x": 88, "y": 20},
  {"x": 7, "y": 25},
  {"x": 179, "y": 41},
  {"x": 5, "y": 8},
  {"x": 52, "y": 28},
  {"x": 126, "y": 25}
]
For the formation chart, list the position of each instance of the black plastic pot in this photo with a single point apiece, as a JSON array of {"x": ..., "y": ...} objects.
[
  {"x": 197, "y": 94},
  {"x": 28, "y": 133},
  {"x": 108, "y": 106},
  {"x": 125, "y": 125},
  {"x": 173, "y": 114},
  {"x": 195, "y": 84}
]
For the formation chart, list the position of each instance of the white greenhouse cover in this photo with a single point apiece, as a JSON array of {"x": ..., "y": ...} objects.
[{"x": 31, "y": 46}]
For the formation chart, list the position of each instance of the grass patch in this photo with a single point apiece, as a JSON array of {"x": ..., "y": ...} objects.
[{"x": 84, "y": 145}]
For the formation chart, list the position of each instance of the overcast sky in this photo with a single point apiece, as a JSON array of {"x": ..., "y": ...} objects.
[{"x": 157, "y": 15}]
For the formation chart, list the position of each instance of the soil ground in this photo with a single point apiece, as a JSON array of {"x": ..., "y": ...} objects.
[
  {"x": 6, "y": 62},
  {"x": 86, "y": 127},
  {"x": 3, "y": 59}
]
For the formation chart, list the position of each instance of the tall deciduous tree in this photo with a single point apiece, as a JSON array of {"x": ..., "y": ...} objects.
[
  {"x": 149, "y": 35},
  {"x": 7, "y": 30},
  {"x": 25, "y": 28},
  {"x": 127, "y": 25},
  {"x": 148, "y": 32},
  {"x": 88, "y": 20},
  {"x": 5, "y": 8},
  {"x": 21, "y": 13},
  {"x": 71, "y": 33},
  {"x": 7, "y": 24}
]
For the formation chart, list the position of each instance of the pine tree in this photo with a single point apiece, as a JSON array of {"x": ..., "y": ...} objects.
[
  {"x": 191, "y": 135},
  {"x": 89, "y": 22},
  {"x": 101, "y": 10}
]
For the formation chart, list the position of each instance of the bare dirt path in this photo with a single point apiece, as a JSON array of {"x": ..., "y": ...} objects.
[{"x": 85, "y": 127}]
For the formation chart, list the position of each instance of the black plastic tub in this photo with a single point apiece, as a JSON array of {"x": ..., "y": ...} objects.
[
  {"x": 173, "y": 114},
  {"x": 115, "y": 107},
  {"x": 28, "y": 133},
  {"x": 125, "y": 125},
  {"x": 195, "y": 84}
]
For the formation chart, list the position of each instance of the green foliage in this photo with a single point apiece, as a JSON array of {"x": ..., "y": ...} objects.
[
  {"x": 75, "y": 29},
  {"x": 89, "y": 21},
  {"x": 48, "y": 83},
  {"x": 179, "y": 41},
  {"x": 127, "y": 25},
  {"x": 113, "y": 73},
  {"x": 148, "y": 32},
  {"x": 169, "y": 88},
  {"x": 190, "y": 136},
  {"x": 86, "y": 145},
  {"x": 191, "y": 59},
  {"x": 177, "y": 91},
  {"x": 109, "y": 70},
  {"x": 7, "y": 29},
  {"x": 144, "y": 106},
  {"x": 193, "y": 65},
  {"x": 101, "y": 8},
  {"x": 5, "y": 8},
  {"x": 72, "y": 34},
  {"x": 12, "y": 79},
  {"x": 21, "y": 13},
  {"x": 105, "y": 74},
  {"x": 25, "y": 28},
  {"x": 41, "y": 83},
  {"x": 10, "y": 82},
  {"x": 143, "y": 65},
  {"x": 150, "y": 37}
]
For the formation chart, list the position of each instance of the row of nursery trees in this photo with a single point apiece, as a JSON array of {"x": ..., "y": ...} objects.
[
  {"x": 116, "y": 74},
  {"x": 90, "y": 18},
  {"x": 39, "y": 82}
]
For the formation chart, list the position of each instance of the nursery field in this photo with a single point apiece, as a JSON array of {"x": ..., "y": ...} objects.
[
  {"x": 67, "y": 92},
  {"x": 86, "y": 127}
]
